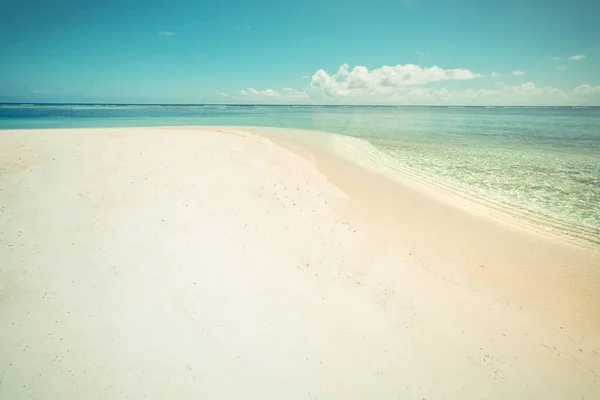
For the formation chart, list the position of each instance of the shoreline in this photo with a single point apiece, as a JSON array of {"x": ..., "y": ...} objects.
[
  {"x": 506, "y": 213},
  {"x": 555, "y": 264},
  {"x": 511, "y": 215},
  {"x": 205, "y": 255}
]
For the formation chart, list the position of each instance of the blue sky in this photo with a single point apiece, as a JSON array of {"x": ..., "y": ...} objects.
[{"x": 483, "y": 51}]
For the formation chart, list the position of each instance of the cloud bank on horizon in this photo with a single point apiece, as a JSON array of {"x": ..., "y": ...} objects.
[{"x": 410, "y": 84}]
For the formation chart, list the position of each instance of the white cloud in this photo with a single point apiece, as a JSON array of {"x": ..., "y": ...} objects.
[
  {"x": 346, "y": 82},
  {"x": 283, "y": 94},
  {"x": 223, "y": 94},
  {"x": 461, "y": 73},
  {"x": 166, "y": 33},
  {"x": 530, "y": 88},
  {"x": 291, "y": 93},
  {"x": 253, "y": 92},
  {"x": 555, "y": 58},
  {"x": 578, "y": 57},
  {"x": 586, "y": 89},
  {"x": 271, "y": 93},
  {"x": 412, "y": 84},
  {"x": 562, "y": 68},
  {"x": 524, "y": 94}
]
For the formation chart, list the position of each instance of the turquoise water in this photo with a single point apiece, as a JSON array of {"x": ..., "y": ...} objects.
[{"x": 540, "y": 164}]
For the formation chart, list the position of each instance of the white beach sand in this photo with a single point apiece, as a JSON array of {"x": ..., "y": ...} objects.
[{"x": 188, "y": 263}]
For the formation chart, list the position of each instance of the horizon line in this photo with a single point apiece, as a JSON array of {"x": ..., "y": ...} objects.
[{"x": 295, "y": 105}]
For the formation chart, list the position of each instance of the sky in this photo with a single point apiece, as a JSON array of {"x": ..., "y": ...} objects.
[{"x": 470, "y": 52}]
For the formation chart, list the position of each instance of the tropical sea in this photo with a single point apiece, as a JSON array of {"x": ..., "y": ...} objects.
[{"x": 537, "y": 164}]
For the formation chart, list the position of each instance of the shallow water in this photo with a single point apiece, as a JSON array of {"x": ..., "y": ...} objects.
[{"x": 541, "y": 164}]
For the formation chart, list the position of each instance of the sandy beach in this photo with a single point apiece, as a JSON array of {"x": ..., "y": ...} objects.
[{"x": 232, "y": 263}]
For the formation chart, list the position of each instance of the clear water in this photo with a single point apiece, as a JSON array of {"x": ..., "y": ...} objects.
[{"x": 541, "y": 164}]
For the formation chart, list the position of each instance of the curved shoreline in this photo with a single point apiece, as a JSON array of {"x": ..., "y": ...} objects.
[
  {"x": 508, "y": 210},
  {"x": 502, "y": 211},
  {"x": 528, "y": 266}
]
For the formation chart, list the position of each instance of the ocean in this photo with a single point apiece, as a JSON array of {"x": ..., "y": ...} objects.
[{"x": 538, "y": 164}]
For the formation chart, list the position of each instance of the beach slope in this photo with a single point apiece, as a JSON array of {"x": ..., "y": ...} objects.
[{"x": 213, "y": 263}]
